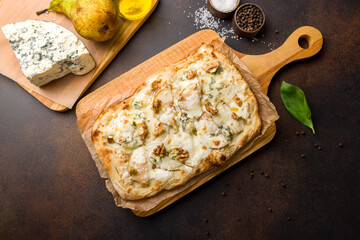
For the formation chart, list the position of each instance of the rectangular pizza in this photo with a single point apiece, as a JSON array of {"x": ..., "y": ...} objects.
[{"x": 184, "y": 120}]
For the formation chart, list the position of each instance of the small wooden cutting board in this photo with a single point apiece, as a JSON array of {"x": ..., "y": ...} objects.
[
  {"x": 108, "y": 49},
  {"x": 263, "y": 67}
]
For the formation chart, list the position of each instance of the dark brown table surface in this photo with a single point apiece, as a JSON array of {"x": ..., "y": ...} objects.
[{"x": 50, "y": 187}]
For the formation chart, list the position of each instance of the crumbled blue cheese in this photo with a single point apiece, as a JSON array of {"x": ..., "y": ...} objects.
[
  {"x": 226, "y": 123},
  {"x": 123, "y": 130},
  {"x": 209, "y": 134},
  {"x": 186, "y": 121},
  {"x": 47, "y": 51}
]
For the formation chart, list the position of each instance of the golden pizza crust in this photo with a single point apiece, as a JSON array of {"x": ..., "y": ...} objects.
[{"x": 136, "y": 176}]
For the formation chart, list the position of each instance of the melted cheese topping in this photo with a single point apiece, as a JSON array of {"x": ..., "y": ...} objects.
[
  {"x": 210, "y": 134},
  {"x": 181, "y": 130}
]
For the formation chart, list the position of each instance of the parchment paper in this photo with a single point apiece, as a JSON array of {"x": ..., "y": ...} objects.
[
  {"x": 267, "y": 114},
  {"x": 64, "y": 91}
]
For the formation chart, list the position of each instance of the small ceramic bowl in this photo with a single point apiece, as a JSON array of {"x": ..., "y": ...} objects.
[
  {"x": 242, "y": 32},
  {"x": 220, "y": 14}
]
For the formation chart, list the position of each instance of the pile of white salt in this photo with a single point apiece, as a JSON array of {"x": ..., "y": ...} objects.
[{"x": 224, "y": 5}]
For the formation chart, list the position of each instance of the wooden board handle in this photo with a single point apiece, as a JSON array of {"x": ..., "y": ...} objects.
[{"x": 265, "y": 66}]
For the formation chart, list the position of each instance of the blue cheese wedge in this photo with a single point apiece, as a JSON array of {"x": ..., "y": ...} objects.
[
  {"x": 47, "y": 51},
  {"x": 186, "y": 119}
]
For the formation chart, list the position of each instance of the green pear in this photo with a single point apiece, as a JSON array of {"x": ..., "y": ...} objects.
[{"x": 96, "y": 20}]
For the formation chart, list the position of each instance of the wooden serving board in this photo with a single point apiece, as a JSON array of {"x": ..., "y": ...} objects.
[
  {"x": 126, "y": 30},
  {"x": 263, "y": 67}
]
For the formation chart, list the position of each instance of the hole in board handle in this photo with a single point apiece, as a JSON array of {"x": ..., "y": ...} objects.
[{"x": 304, "y": 42}]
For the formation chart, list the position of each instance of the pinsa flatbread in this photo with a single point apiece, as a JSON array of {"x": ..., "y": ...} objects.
[{"x": 186, "y": 119}]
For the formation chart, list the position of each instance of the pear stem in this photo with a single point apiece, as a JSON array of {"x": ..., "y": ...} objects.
[{"x": 42, "y": 11}]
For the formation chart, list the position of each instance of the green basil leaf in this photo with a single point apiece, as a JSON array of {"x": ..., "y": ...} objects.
[{"x": 295, "y": 102}]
